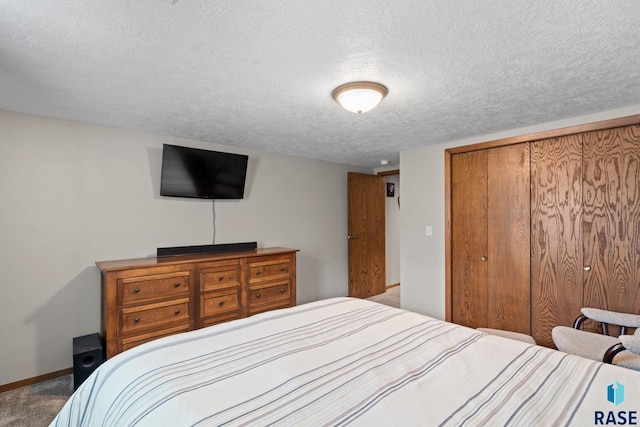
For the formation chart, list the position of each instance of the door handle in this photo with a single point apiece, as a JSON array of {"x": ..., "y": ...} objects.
[{"x": 351, "y": 237}]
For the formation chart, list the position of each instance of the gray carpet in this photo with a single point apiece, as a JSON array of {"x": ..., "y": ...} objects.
[
  {"x": 35, "y": 405},
  {"x": 390, "y": 297}
]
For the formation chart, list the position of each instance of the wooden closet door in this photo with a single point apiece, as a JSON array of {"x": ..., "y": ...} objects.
[
  {"x": 469, "y": 238},
  {"x": 508, "y": 252},
  {"x": 490, "y": 238},
  {"x": 611, "y": 221},
  {"x": 556, "y": 234}
]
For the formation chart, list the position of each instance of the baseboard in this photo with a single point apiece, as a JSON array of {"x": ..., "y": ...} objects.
[
  {"x": 393, "y": 286},
  {"x": 35, "y": 380}
]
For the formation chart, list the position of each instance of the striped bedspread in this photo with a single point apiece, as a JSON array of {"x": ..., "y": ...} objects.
[{"x": 347, "y": 361}]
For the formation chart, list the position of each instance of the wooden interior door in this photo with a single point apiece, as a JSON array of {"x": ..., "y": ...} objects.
[
  {"x": 556, "y": 234},
  {"x": 469, "y": 238},
  {"x": 611, "y": 219},
  {"x": 366, "y": 235},
  {"x": 509, "y": 246}
]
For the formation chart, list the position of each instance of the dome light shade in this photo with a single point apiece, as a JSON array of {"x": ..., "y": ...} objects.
[{"x": 359, "y": 97}]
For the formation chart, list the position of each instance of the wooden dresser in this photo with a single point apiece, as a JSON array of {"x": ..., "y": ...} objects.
[{"x": 148, "y": 298}]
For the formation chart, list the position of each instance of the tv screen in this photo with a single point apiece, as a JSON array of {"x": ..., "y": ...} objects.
[{"x": 203, "y": 174}]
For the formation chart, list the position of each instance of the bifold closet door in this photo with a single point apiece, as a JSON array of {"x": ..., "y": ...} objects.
[
  {"x": 611, "y": 219},
  {"x": 556, "y": 234},
  {"x": 585, "y": 227},
  {"x": 490, "y": 238},
  {"x": 508, "y": 251},
  {"x": 469, "y": 238}
]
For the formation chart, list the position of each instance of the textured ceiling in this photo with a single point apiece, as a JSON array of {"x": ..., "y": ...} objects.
[{"x": 260, "y": 73}]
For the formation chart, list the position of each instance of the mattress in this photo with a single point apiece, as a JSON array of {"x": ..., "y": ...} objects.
[{"x": 346, "y": 361}]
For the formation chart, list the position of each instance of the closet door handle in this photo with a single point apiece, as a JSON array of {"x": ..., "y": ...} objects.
[{"x": 587, "y": 268}]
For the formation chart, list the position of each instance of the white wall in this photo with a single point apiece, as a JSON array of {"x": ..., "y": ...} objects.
[
  {"x": 422, "y": 193},
  {"x": 72, "y": 194},
  {"x": 392, "y": 232}
]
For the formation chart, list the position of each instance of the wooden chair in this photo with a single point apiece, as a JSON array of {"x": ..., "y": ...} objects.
[{"x": 623, "y": 350}]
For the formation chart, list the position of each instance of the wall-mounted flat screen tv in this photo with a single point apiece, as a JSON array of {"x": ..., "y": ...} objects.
[{"x": 203, "y": 174}]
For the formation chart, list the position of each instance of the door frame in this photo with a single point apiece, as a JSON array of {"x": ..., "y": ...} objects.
[{"x": 386, "y": 173}]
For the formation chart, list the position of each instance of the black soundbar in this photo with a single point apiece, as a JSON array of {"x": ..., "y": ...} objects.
[{"x": 206, "y": 249}]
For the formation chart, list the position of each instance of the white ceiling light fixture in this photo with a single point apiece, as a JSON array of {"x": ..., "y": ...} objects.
[{"x": 359, "y": 97}]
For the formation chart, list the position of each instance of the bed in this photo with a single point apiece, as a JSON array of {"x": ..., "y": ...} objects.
[{"x": 345, "y": 361}]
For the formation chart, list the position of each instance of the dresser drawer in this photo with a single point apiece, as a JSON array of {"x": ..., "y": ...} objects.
[
  {"x": 269, "y": 270},
  {"x": 269, "y": 293},
  {"x": 219, "y": 277},
  {"x": 142, "y": 289},
  {"x": 154, "y": 316},
  {"x": 214, "y": 304},
  {"x": 130, "y": 342}
]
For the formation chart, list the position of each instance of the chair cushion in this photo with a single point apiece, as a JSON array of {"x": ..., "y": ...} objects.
[
  {"x": 631, "y": 343},
  {"x": 593, "y": 346},
  {"x": 627, "y": 359},
  {"x": 508, "y": 334},
  {"x": 581, "y": 343},
  {"x": 612, "y": 317}
]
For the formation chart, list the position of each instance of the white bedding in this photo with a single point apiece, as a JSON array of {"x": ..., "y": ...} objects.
[{"x": 346, "y": 361}]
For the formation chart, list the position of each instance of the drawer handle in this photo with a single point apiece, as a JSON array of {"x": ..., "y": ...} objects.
[
  {"x": 176, "y": 285},
  {"x": 176, "y": 312},
  {"x": 220, "y": 278},
  {"x": 220, "y": 303},
  {"x": 136, "y": 320},
  {"x": 281, "y": 268},
  {"x": 136, "y": 290},
  {"x": 282, "y": 290},
  {"x": 258, "y": 295},
  {"x": 257, "y": 272}
]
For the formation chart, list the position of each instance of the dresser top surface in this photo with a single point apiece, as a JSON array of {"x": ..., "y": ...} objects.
[{"x": 183, "y": 259}]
